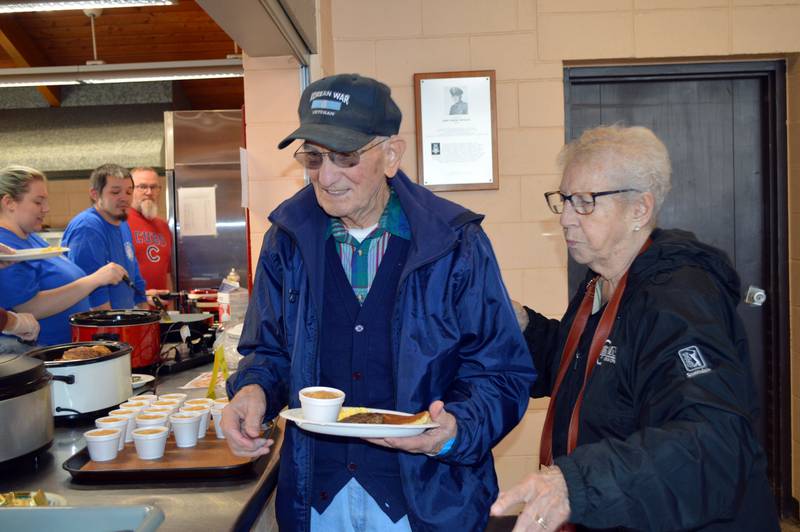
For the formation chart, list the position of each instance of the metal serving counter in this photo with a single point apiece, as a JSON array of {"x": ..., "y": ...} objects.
[{"x": 188, "y": 505}]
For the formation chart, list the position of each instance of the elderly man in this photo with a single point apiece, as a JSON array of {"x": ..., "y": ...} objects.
[
  {"x": 371, "y": 284},
  {"x": 152, "y": 240},
  {"x": 99, "y": 235}
]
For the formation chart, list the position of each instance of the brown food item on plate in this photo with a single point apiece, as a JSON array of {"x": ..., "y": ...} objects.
[
  {"x": 373, "y": 418},
  {"x": 388, "y": 419},
  {"x": 85, "y": 352}
]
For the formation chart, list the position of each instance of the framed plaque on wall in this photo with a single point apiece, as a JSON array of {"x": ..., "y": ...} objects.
[{"x": 456, "y": 130}]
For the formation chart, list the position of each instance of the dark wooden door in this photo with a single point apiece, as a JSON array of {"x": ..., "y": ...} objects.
[{"x": 719, "y": 128}]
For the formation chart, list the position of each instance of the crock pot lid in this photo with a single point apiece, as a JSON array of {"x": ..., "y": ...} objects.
[
  {"x": 51, "y": 355},
  {"x": 18, "y": 372},
  {"x": 110, "y": 318}
]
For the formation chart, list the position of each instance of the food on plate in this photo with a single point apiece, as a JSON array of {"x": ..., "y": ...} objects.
[
  {"x": 372, "y": 418},
  {"x": 378, "y": 418},
  {"x": 85, "y": 352},
  {"x": 23, "y": 498}
]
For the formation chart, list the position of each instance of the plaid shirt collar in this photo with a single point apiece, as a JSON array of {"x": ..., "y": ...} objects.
[{"x": 393, "y": 220}]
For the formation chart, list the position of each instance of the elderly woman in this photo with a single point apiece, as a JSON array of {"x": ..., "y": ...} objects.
[
  {"x": 49, "y": 289},
  {"x": 651, "y": 397}
]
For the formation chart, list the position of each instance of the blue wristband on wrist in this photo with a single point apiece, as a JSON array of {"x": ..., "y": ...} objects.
[{"x": 446, "y": 447}]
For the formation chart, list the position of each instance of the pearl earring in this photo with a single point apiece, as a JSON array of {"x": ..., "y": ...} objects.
[{"x": 636, "y": 228}]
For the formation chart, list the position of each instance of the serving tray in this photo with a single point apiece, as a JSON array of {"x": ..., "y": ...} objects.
[{"x": 210, "y": 459}]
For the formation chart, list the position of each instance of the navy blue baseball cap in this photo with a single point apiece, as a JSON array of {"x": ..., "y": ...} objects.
[{"x": 344, "y": 112}]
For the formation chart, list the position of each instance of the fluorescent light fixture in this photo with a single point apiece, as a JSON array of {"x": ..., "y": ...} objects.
[
  {"x": 121, "y": 73},
  {"x": 22, "y": 6}
]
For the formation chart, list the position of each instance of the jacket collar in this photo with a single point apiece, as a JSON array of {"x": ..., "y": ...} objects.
[{"x": 434, "y": 223}]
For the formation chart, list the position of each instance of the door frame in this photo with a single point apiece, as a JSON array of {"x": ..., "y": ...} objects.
[{"x": 776, "y": 260}]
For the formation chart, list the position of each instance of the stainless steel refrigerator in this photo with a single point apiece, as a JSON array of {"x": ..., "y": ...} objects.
[{"x": 204, "y": 197}]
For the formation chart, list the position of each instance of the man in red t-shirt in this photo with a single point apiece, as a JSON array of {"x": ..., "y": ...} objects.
[{"x": 152, "y": 240}]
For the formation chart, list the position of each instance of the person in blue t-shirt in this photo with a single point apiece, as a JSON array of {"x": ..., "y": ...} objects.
[
  {"x": 50, "y": 289},
  {"x": 100, "y": 235}
]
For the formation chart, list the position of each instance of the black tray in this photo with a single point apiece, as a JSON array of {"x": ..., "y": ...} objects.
[{"x": 74, "y": 464}]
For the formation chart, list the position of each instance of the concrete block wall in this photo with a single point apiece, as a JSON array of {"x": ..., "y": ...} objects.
[
  {"x": 271, "y": 93},
  {"x": 68, "y": 197},
  {"x": 527, "y": 42}
]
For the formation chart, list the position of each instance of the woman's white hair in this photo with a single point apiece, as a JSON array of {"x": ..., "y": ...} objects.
[{"x": 630, "y": 157}]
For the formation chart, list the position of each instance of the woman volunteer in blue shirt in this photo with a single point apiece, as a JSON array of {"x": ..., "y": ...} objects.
[{"x": 51, "y": 289}]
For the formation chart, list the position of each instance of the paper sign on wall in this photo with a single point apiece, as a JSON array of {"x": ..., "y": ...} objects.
[{"x": 197, "y": 209}]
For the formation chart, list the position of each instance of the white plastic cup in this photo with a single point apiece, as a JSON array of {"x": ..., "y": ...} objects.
[
  {"x": 180, "y": 397},
  {"x": 216, "y": 413},
  {"x": 185, "y": 426},
  {"x": 130, "y": 415},
  {"x": 203, "y": 412},
  {"x": 134, "y": 405},
  {"x": 222, "y": 402},
  {"x": 155, "y": 419},
  {"x": 325, "y": 407},
  {"x": 103, "y": 444},
  {"x": 172, "y": 404},
  {"x": 167, "y": 411},
  {"x": 114, "y": 422},
  {"x": 150, "y": 442},
  {"x": 199, "y": 401},
  {"x": 146, "y": 397}
]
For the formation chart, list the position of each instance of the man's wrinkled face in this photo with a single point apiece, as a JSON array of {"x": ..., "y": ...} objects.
[{"x": 356, "y": 195}]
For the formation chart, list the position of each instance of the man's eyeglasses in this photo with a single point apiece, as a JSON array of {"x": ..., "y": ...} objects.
[
  {"x": 582, "y": 202},
  {"x": 145, "y": 188},
  {"x": 312, "y": 159}
]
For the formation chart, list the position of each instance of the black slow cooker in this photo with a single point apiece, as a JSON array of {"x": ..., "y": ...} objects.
[{"x": 26, "y": 407}]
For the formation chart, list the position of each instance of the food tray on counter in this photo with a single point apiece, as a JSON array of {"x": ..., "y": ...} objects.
[{"x": 210, "y": 459}]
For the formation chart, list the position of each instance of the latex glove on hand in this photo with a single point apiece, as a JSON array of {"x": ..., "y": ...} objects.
[{"x": 23, "y": 325}]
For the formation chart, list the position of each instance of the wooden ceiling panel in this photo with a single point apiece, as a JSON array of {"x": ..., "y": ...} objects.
[{"x": 182, "y": 32}]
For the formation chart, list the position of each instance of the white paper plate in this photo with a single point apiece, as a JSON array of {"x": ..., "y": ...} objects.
[
  {"x": 32, "y": 254},
  {"x": 357, "y": 430},
  {"x": 140, "y": 379}
]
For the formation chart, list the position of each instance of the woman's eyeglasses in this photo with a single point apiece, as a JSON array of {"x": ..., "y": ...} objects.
[
  {"x": 582, "y": 202},
  {"x": 312, "y": 159}
]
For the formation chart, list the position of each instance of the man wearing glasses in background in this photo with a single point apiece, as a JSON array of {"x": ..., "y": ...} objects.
[
  {"x": 152, "y": 240},
  {"x": 373, "y": 285}
]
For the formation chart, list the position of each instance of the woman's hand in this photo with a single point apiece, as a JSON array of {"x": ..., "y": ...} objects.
[
  {"x": 429, "y": 442},
  {"x": 23, "y": 325},
  {"x": 6, "y": 251},
  {"x": 521, "y": 314},
  {"x": 111, "y": 273},
  {"x": 546, "y": 500},
  {"x": 241, "y": 422}
]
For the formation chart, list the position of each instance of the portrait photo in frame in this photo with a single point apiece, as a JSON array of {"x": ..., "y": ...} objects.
[{"x": 456, "y": 130}]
